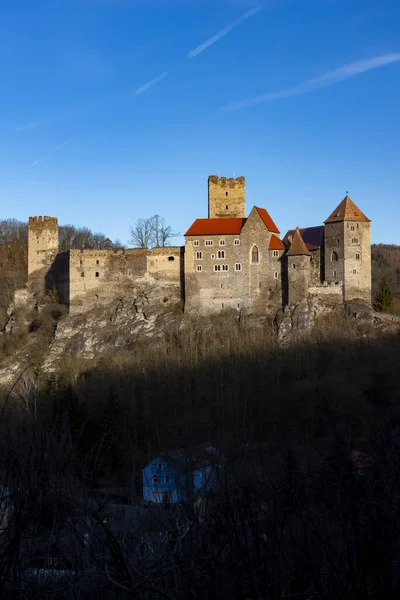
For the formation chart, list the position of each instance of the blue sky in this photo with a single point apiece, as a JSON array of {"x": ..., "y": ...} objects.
[{"x": 112, "y": 110}]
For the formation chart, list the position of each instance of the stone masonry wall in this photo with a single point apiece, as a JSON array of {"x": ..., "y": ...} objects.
[
  {"x": 226, "y": 197},
  {"x": 299, "y": 278},
  {"x": 334, "y": 252},
  {"x": 42, "y": 242},
  {"x": 165, "y": 262},
  {"x": 90, "y": 269},
  {"x": 357, "y": 263},
  {"x": 238, "y": 283}
]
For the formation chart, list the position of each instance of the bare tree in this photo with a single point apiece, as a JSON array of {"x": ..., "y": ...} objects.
[{"x": 151, "y": 232}]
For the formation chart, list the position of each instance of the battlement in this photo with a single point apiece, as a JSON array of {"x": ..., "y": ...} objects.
[
  {"x": 226, "y": 197},
  {"x": 40, "y": 223}
]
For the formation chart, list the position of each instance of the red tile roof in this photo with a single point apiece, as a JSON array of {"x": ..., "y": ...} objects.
[
  {"x": 268, "y": 222},
  {"x": 298, "y": 247},
  {"x": 313, "y": 237},
  {"x": 347, "y": 211},
  {"x": 275, "y": 243},
  {"x": 224, "y": 226}
]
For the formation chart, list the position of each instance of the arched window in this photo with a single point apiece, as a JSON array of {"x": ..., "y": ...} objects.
[
  {"x": 334, "y": 257},
  {"x": 254, "y": 255}
]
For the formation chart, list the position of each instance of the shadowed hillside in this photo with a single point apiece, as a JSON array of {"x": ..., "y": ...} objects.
[{"x": 386, "y": 265}]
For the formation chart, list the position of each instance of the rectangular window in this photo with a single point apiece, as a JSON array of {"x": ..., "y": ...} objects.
[
  {"x": 352, "y": 228},
  {"x": 155, "y": 479},
  {"x": 293, "y": 266},
  {"x": 217, "y": 267},
  {"x": 225, "y": 267},
  {"x": 199, "y": 255},
  {"x": 97, "y": 274},
  {"x": 196, "y": 243},
  {"x": 221, "y": 254},
  {"x": 97, "y": 262},
  {"x": 209, "y": 242},
  {"x": 199, "y": 268},
  {"x": 357, "y": 256},
  {"x": 334, "y": 274},
  {"x": 159, "y": 466},
  {"x": 236, "y": 242},
  {"x": 354, "y": 271},
  {"x": 213, "y": 256},
  {"x": 222, "y": 242},
  {"x": 238, "y": 267},
  {"x": 276, "y": 275},
  {"x": 167, "y": 479},
  {"x": 276, "y": 253}
]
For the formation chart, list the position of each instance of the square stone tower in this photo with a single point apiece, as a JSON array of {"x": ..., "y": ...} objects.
[
  {"x": 348, "y": 251},
  {"x": 42, "y": 242},
  {"x": 226, "y": 197}
]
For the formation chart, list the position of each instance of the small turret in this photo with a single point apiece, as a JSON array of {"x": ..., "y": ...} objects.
[{"x": 299, "y": 269}]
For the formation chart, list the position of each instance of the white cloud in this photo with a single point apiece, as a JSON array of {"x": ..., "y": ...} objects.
[
  {"x": 326, "y": 80},
  {"x": 149, "y": 84},
  {"x": 218, "y": 36}
]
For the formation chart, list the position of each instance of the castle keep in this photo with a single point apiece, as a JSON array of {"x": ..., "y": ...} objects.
[{"x": 229, "y": 261}]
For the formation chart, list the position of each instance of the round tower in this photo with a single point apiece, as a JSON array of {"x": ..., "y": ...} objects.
[{"x": 298, "y": 269}]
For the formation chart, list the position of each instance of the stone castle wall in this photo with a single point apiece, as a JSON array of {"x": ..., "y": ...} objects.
[
  {"x": 220, "y": 273},
  {"x": 357, "y": 264},
  {"x": 42, "y": 242},
  {"x": 226, "y": 197}
]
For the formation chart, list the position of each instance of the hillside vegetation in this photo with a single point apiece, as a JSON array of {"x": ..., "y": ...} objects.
[{"x": 386, "y": 265}]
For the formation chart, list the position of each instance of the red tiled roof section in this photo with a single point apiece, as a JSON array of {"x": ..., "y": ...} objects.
[
  {"x": 275, "y": 243},
  {"x": 268, "y": 222},
  {"x": 226, "y": 226},
  {"x": 347, "y": 211},
  {"x": 298, "y": 247}
]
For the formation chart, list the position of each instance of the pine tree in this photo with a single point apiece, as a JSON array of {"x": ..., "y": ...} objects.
[{"x": 383, "y": 297}]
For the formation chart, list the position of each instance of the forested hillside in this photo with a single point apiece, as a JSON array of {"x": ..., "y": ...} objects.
[{"x": 386, "y": 265}]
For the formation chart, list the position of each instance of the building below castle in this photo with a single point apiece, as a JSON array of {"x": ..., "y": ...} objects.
[{"x": 229, "y": 261}]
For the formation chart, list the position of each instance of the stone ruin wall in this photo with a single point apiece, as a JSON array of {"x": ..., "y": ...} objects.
[{"x": 42, "y": 242}]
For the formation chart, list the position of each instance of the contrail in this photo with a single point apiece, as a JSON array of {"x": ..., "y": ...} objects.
[
  {"x": 215, "y": 38},
  {"x": 326, "y": 80},
  {"x": 50, "y": 153},
  {"x": 149, "y": 84}
]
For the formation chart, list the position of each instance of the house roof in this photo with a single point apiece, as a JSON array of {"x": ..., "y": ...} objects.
[
  {"x": 313, "y": 237},
  {"x": 183, "y": 459},
  {"x": 347, "y": 211},
  {"x": 275, "y": 243},
  {"x": 268, "y": 222},
  {"x": 298, "y": 247},
  {"x": 228, "y": 225},
  {"x": 223, "y": 226}
]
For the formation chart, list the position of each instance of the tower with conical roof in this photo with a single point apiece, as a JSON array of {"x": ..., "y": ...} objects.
[
  {"x": 348, "y": 251},
  {"x": 299, "y": 269}
]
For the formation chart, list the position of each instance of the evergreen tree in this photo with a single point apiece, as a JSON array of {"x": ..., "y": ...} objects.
[{"x": 383, "y": 298}]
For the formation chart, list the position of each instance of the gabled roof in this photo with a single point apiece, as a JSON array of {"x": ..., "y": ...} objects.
[
  {"x": 298, "y": 247},
  {"x": 275, "y": 243},
  {"x": 223, "y": 226},
  {"x": 268, "y": 222},
  {"x": 347, "y": 211},
  {"x": 313, "y": 237}
]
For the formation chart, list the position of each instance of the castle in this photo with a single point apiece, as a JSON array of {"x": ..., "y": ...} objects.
[{"x": 229, "y": 261}]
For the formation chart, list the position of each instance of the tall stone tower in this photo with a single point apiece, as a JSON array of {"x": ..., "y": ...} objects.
[
  {"x": 42, "y": 243},
  {"x": 226, "y": 197},
  {"x": 348, "y": 250},
  {"x": 299, "y": 269}
]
